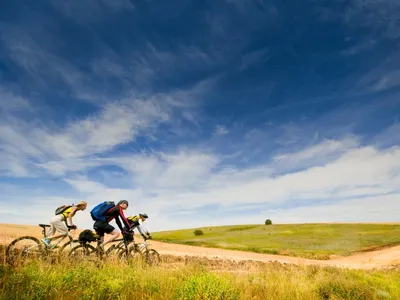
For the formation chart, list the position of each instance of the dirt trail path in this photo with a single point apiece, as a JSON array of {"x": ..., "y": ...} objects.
[{"x": 368, "y": 260}]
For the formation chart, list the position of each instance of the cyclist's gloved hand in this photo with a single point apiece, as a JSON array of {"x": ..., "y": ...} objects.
[
  {"x": 149, "y": 237},
  {"x": 72, "y": 227}
]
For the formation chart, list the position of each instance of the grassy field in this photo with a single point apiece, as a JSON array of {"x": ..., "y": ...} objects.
[
  {"x": 319, "y": 241},
  {"x": 193, "y": 280}
]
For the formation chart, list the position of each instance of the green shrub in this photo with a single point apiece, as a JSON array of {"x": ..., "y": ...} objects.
[
  {"x": 198, "y": 232},
  {"x": 268, "y": 222}
]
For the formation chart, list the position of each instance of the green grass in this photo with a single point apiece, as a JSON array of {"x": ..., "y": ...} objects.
[
  {"x": 192, "y": 281},
  {"x": 318, "y": 241}
]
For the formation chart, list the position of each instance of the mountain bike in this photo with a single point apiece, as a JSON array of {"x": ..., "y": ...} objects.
[
  {"x": 136, "y": 252},
  {"x": 27, "y": 248},
  {"x": 88, "y": 252},
  {"x": 142, "y": 250}
]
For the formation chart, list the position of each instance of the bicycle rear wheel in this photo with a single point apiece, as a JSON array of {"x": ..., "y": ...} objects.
[
  {"x": 68, "y": 246},
  {"x": 24, "y": 249}
]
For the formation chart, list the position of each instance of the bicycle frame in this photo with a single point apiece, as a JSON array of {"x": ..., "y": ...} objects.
[
  {"x": 143, "y": 246},
  {"x": 58, "y": 240},
  {"x": 117, "y": 248}
]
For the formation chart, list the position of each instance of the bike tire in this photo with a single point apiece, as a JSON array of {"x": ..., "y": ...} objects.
[
  {"x": 122, "y": 253},
  {"x": 34, "y": 251},
  {"x": 135, "y": 255},
  {"x": 83, "y": 252},
  {"x": 71, "y": 242},
  {"x": 152, "y": 257}
]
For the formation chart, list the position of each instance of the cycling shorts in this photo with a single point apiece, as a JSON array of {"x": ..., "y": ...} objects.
[{"x": 102, "y": 227}]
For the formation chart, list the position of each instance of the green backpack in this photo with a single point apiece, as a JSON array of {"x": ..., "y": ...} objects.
[{"x": 61, "y": 209}]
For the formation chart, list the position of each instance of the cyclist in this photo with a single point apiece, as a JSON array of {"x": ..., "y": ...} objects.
[
  {"x": 60, "y": 222},
  {"x": 137, "y": 222},
  {"x": 117, "y": 213}
]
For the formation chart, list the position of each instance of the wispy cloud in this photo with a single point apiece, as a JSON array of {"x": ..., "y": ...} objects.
[
  {"x": 220, "y": 130},
  {"x": 254, "y": 58},
  {"x": 359, "y": 47},
  {"x": 117, "y": 123},
  {"x": 382, "y": 15},
  {"x": 9, "y": 102},
  {"x": 390, "y": 80}
]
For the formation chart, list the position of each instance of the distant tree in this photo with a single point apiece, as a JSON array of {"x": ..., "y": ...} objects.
[
  {"x": 198, "y": 232},
  {"x": 268, "y": 222}
]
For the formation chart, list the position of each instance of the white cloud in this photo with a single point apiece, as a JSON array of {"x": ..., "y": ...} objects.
[
  {"x": 389, "y": 80},
  {"x": 116, "y": 123},
  {"x": 362, "y": 184},
  {"x": 388, "y": 137},
  {"x": 188, "y": 181},
  {"x": 10, "y": 102},
  {"x": 316, "y": 154},
  {"x": 382, "y": 208},
  {"x": 323, "y": 149},
  {"x": 85, "y": 186},
  {"x": 220, "y": 130}
]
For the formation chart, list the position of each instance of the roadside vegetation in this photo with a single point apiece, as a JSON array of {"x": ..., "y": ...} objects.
[
  {"x": 317, "y": 241},
  {"x": 195, "y": 280}
]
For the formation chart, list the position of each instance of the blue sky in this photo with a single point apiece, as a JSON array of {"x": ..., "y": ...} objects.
[{"x": 201, "y": 112}]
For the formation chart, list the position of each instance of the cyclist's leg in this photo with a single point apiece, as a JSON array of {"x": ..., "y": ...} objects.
[
  {"x": 99, "y": 227},
  {"x": 109, "y": 229},
  {"x": 52, "y": 230},
  {"x": 58, "y": 223}
]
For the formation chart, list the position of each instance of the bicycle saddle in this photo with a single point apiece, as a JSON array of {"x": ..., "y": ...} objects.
[{"x": 44, "y": 225}]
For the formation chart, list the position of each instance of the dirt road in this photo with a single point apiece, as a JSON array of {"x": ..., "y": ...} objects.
[{"x": 368, "y": 260}]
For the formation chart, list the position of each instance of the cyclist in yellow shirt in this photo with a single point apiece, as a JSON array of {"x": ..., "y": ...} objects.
[{"x": 59, "y": 222}]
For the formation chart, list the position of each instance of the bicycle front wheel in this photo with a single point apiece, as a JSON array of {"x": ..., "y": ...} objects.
[
  {"x": 133, "y": 255},
  {"x": 83, "y": 252},
  {"x": 152, "y": 257},
  {"x": 24, "y": 249}
]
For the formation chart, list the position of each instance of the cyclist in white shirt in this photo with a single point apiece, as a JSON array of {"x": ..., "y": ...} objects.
[{"x": 136, "y": 222}]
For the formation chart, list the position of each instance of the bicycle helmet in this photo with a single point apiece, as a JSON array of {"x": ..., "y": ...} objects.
[
  {"x": 123, "y": 202},
  {"x": 143, "y": 216}
]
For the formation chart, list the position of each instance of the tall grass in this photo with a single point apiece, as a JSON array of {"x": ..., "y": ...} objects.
[{"x": 193, "y": 280}]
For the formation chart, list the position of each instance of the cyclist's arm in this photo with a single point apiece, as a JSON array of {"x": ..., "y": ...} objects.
[
  {"x": 142, "y": 230},
  {"x": 117, "y": 220},
  {"x": 71, "y": 214},
  {"x": 124, "y": 220}
]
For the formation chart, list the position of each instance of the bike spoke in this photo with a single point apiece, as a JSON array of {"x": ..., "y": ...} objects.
[
  {"x": 152, "y": 257},
  {"x": 24, "y": 249}
]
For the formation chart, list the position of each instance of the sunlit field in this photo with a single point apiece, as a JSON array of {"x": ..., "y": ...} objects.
[{"x": 319, "y": 241}]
